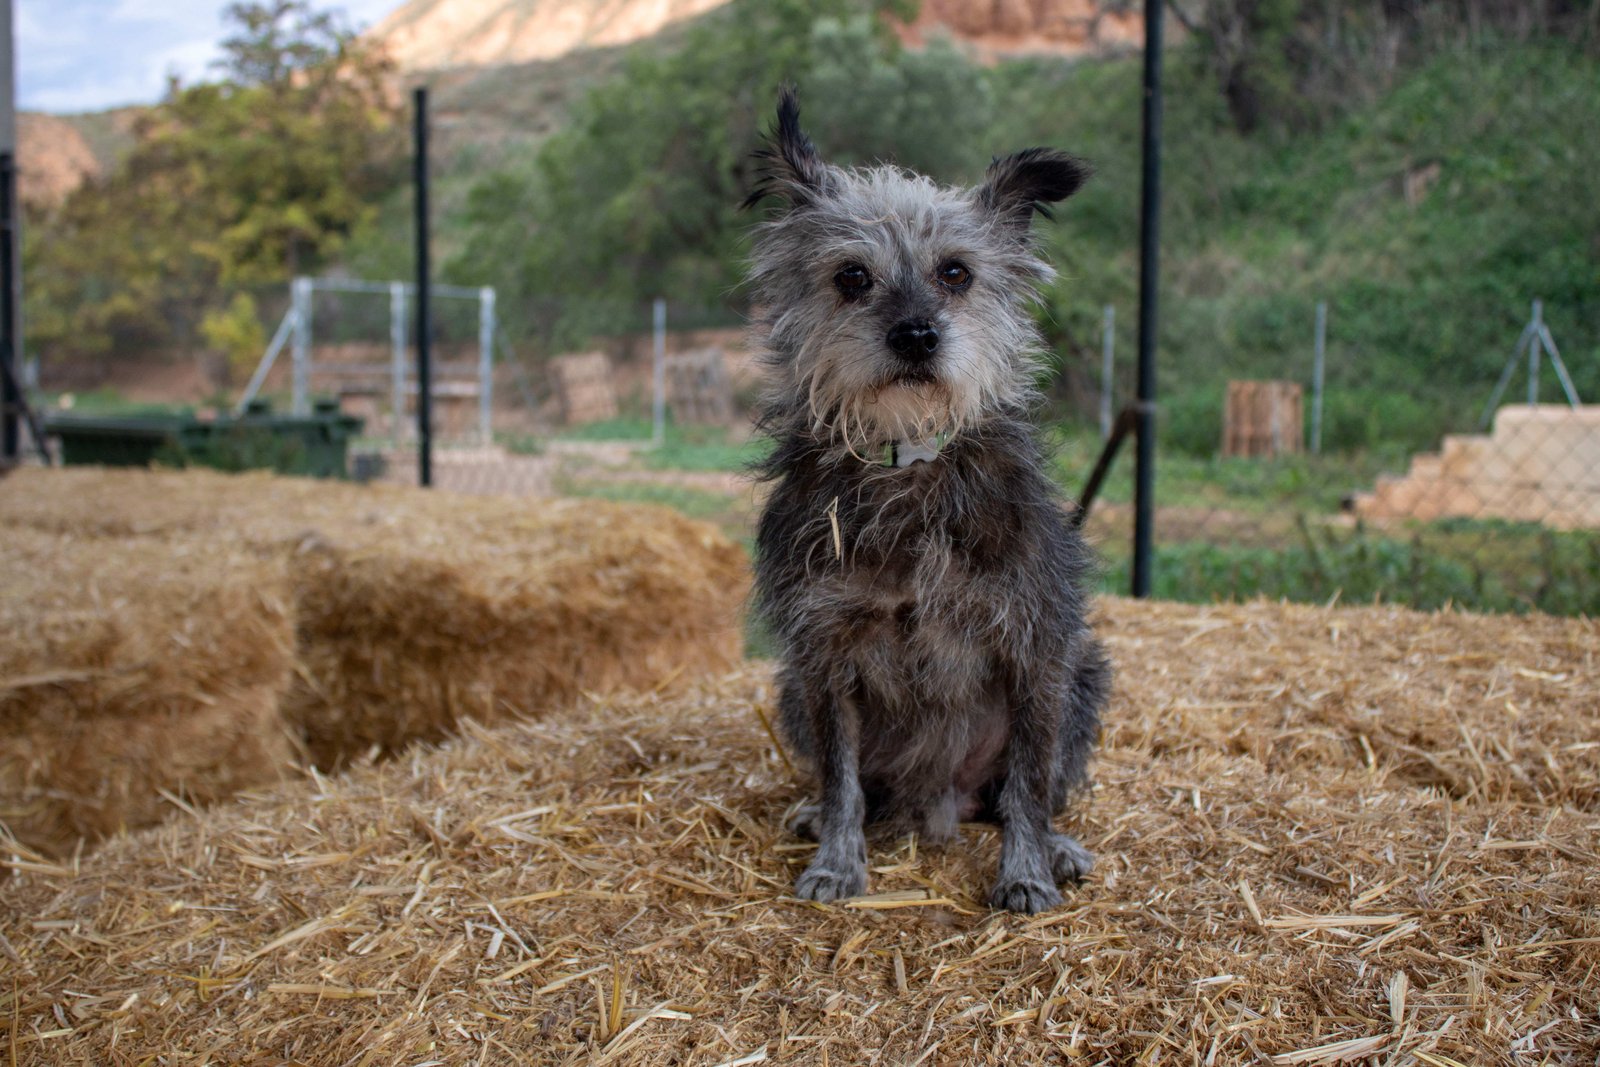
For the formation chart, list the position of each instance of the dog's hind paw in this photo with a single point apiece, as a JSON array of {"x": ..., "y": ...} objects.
[
  {"x": 806, "y": 822},
  {"x": 825, "y": 884},
  {"x": 1069, "y": 861},
  {"x": 1025, "y": 895}
]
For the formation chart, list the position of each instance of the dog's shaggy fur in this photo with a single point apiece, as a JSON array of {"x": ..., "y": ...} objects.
[{"x": 937, "y": 665}]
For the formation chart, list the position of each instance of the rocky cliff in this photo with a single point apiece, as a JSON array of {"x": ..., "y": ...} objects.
[
  {"x": 1009, "y": 27},
  {"x": 438, "y": 34},
  {"x": 54, "y": 159}
]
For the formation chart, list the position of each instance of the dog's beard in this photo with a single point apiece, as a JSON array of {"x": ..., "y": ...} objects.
[
  {"x": 863, "y": 418},
  {"x": 910, "y": 410},
  {"x": 858, "y": 396}
]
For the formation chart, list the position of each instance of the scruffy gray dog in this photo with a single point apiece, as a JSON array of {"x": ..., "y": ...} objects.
[{"x": 913, "y": 558}]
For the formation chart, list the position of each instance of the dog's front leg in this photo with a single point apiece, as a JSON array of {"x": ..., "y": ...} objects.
[
  {"x": 839, "y": 869},
  {"x": 1026, "y": 882}
]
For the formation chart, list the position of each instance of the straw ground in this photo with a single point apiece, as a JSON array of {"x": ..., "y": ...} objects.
[{"x": 1325, "y": 836}]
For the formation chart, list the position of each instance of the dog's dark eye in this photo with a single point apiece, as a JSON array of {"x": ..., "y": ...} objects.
[
  {"x": 852, "y": 280},
  {"x": 954, "y": 275}
]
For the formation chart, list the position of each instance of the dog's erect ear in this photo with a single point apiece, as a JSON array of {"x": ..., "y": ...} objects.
[
  {"x": 1029, "y": 181},
  {"x": 790, "y": 166}
]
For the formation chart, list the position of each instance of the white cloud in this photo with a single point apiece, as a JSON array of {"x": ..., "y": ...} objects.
[
  {"x": 85, "y": 55},
  {"x": 168, "y": 12}
]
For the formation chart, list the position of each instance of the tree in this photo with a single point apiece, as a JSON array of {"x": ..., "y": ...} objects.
[
  {"x": 1289, "y": 63},
  {"x": 639, "y": 196},
  {"x": 277, "y": 40},
  {"x": 240, "y": 182}
]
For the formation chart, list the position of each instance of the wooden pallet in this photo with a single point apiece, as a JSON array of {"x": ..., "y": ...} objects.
[
  {"x": 697, "y": 387},
  {"x": 1263, "y": 418},
  {"x": 585, "y": 387}
]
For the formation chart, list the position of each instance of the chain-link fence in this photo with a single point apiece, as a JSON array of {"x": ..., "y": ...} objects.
[
  {"x": 1316, "y": 480},
  {"x": 592, "y": 396},
  {"x": 1325, "y": 478}
]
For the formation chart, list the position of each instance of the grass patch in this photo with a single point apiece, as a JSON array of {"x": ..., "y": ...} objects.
[
  {"x": 706, "y": 448},
  {"x": 105, "y": 401},
  {"x": 1304, "y": 483},
  {"x": 690, "y": 447},
  {"x": 719, "y": 508},
  {"x": 1478, "y": 566},
  {"x": 621, "y": 428}
]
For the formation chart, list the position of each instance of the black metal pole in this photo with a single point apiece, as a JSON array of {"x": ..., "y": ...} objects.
[
  {"x": 424, "y": 316},
  {"x": 10, "y": 275},
  {"x": 10, "y": 339},
  {"x": 1149, "y": 261}
]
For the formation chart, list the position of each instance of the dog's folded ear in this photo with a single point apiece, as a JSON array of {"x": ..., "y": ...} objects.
[
  {"x": 789, "y": 164},
  {"x": 1018, "y": 185}
]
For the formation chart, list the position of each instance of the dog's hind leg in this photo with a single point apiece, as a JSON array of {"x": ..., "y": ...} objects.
[
  {"x": 806, "y": 821},
  {"x": 1077, "y": 733},
  {"x": 839, "y": 869},
  {"x": 1085, "y": 696},
  {"x": 1069, "y": 861},
  {"x": 1027, "y": 881}
]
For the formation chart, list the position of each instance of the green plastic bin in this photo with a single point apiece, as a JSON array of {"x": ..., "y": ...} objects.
[
  {"x": 314, "y": 445},
  {"x": 116, "y": 441}
]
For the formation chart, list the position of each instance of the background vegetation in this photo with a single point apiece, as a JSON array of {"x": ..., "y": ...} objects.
[
  {"x": 1426, "y": 167},
  {"x": 230, "y": 186},
  {"x": 1422, "y": 173}
]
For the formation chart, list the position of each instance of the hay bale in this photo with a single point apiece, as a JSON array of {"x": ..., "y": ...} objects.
[
  {"x": 698, "y": 389},
  {"x": 612, "y": 886},
  {"x": 254, "y": 507},
  {"x": 491, "y": 612},
  {"x": 129, "y": 668},
  {"x": 413, "y": 609},
  {"x": 585, "y": 387}
]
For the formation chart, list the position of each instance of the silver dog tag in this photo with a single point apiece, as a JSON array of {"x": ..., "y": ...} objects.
[{"x": 908, "y": 452}]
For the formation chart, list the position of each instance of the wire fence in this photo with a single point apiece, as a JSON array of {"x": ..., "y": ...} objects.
[
  {"x": 1325, "y": 481},
  {"x": 1314, "y": 481},
  {"x": 565, "y": 396}
]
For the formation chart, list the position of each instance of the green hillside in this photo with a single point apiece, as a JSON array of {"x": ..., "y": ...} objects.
[
  {"x": 1428, "y": 213},
  {"x": 1427, "y": 188},
  {"x": 1427, "y": 292}
]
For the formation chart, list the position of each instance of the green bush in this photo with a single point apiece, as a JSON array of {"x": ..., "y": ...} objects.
[
  {"x": 242, "y": 448},
  {"x": 1190, "y": 420}
]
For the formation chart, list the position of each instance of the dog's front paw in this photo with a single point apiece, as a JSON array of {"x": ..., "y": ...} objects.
[
  {"x": 825, "y": 884},
  {"x": 1027, "y": 895},
  {"x": 1069, "y": 861}
]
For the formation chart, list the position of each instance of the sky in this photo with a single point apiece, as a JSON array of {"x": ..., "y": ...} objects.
[{"x": 87, "y": 55}]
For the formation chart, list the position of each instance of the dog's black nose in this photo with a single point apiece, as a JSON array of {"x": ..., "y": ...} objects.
[{"x": 914, "y": 338}]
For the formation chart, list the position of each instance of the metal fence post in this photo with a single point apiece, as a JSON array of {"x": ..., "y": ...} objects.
[
  {"x": 1317, "y": 371},
  {"x": 1108, "y": 341},
  {"x": 1149, "y": 254},
  {"x": 11, "y": 398},
  {"x": 300, "y": 377},
  {"x": 486, "y": 365},
  {"x": 658, "y": 407},
  {"x": 1535, "y": 350},
  {"x": 397, "y": 361},
  {"x": 424, "y": 318}
]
